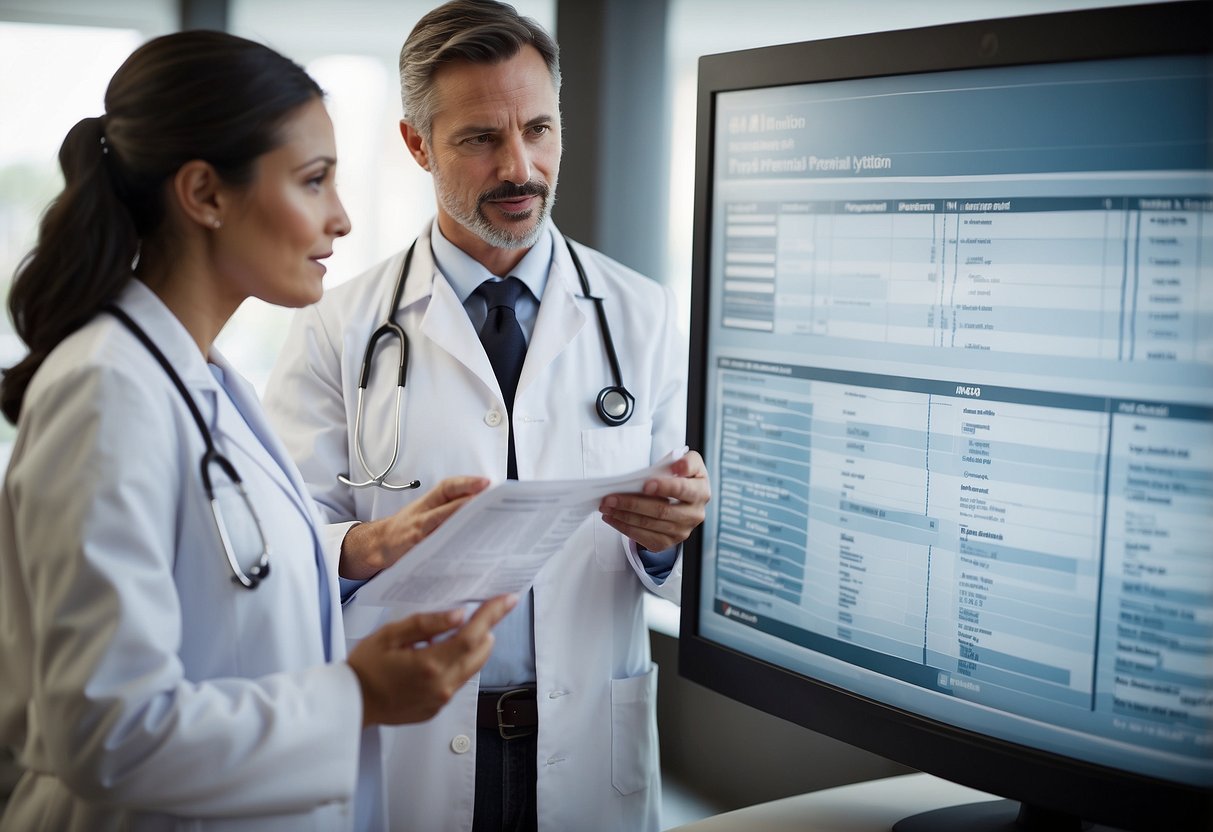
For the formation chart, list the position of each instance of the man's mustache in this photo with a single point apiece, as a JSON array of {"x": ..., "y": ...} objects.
[{"x": 508, "y": 190}]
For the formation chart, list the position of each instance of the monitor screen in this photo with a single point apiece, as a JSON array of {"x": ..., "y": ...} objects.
[{"x": 953, "y": 378}]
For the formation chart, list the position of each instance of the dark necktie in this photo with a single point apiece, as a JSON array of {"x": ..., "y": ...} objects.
[{"x": 505, "y": 346}]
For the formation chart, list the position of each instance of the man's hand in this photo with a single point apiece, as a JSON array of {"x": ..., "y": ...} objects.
[
  {"x": 371, "y": 547},
  {"x": 669, "y": 509},
  {"x": 407, "y": 677}
]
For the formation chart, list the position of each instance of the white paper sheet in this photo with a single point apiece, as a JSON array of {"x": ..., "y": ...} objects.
[{"x": 494, "y": 544}]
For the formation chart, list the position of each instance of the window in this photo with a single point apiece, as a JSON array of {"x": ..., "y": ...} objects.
[
  {"x": 51, "y": 76},
  {"x": 387, "y": 196}
]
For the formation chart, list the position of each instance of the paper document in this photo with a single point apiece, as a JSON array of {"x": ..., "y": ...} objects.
[{"x": 497, "y": 542}]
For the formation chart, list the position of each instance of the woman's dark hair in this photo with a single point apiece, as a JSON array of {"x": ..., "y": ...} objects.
[{"x": 191, "y": 95}]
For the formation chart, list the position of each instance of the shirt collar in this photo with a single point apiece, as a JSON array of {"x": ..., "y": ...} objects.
[{"x": 466, "y": 274}]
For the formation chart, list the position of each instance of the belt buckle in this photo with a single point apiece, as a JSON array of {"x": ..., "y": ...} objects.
[{"x": 502, "y": 726}]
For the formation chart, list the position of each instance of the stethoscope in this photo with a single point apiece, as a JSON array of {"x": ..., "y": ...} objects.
[
  {"x": 614, "y": 404},
  {"x": 211, "y": 456}
]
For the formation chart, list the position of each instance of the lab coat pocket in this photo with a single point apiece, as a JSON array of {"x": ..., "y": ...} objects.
[
  {"x": 607, "y": 451},
  {"x": 633, "y": 731}
]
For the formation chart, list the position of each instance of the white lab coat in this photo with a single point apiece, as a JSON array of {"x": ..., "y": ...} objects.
[
  {"x": 597, "y": 757},
  {"x": 143, "y": 689}
]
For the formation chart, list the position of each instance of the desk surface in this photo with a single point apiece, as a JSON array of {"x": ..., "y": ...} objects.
[{"x": 872, "y": 806}]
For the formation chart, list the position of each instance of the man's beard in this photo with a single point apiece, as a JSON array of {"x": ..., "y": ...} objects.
[{"x": 476, "y": 221}]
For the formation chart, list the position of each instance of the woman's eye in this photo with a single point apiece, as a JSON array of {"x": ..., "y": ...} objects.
[{"x": 317, "y": 181}]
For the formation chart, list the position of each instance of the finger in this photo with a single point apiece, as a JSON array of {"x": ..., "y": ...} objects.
[
  {"x": 671, "y": 527},
  {"x": 648, "y": 538},
  {"x": 691, "y": 490},
  {"x": 480, "y": 625},
  {"x": 435, "y": 517},
  {"x": 461, "y": 664},
  {"x": 451, "y": 488},
  {"x": 466, "y": 652},
  {"x": 489, "y": 613},
  {"x": 412, "y": 525},
  {"x": 656, "y": 524},
  {"x": 657, "y": 508},
  {"x": 690, "y": 464},
  {"x": 424, "y": 626},
  {"x": 683, "y": 489}
]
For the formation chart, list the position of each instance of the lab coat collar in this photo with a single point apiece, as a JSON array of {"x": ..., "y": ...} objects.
[
  {"x": 465, "y": 274},
  {"x": 446, "y": 322},
  {"x": 560, "y": 315},
  {"x": 248, "y": 406},
  {"x": 168, "y": 333},
  {"x": 172, "y": 338},
  {"x": 563, "y": 268},
  {"x": 424, "y": 269}
]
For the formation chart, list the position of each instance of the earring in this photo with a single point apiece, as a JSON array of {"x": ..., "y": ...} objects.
[{"x": 217, "y": 223}]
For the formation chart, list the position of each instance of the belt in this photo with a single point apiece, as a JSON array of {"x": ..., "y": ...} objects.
[{"x": 513, "y": 713}]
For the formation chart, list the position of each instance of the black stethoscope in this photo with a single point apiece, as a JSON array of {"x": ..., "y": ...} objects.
[
  {"x": 614, "y": 404},
  {"x": 211, "y": 456}
]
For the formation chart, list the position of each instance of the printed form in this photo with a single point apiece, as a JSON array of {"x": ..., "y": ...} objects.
[{"x": 494, "y": 544}]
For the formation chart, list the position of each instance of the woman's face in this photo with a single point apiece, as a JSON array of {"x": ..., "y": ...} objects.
[{"x": 284, "y": 222}]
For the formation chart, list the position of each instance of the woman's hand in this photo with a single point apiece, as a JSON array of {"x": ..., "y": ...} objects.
[
  {"x": 373, "y": 546},
  {"x": 406, "y": 676}
]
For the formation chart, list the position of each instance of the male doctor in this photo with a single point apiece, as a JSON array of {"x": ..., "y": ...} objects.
[{"x": 559, "y": 730}]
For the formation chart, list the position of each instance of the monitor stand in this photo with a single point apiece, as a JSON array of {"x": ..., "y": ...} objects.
[{"x": 995, "y": 816}]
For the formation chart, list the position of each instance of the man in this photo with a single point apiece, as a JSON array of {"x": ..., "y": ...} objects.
[{"x": 558, "y": 732}]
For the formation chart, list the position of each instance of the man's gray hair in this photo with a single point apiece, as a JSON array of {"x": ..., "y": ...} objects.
[{"x": 478, "y": 31}]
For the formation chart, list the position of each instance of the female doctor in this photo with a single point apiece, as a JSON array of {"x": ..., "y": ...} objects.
[{"x": 170, "y": 633}]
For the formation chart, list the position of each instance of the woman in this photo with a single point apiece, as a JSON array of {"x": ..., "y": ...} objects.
[{"x": 167, "y": 666}]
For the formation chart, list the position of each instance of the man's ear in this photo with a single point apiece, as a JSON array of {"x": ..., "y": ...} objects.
[
  {"x": 419, "y": 149},
  {"x": 198, "y": 190}
]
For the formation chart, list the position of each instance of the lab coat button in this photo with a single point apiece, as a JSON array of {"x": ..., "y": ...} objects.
[
  {"x": 461, "y": 744},
  {"x": 493, "y": 418}
]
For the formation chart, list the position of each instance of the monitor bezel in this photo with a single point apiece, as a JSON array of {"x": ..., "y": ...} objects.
[{"x": 1050, "y": 781}]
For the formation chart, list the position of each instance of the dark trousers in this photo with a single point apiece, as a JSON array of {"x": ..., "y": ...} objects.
[{"x": 505, "y": 783}]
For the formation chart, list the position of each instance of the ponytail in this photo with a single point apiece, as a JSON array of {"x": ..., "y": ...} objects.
[
  {"x": 82, "y": 260},
  {"x": 188, "y": 95}
]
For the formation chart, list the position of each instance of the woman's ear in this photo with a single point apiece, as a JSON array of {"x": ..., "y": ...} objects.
[{"x": 197, "y": 189}]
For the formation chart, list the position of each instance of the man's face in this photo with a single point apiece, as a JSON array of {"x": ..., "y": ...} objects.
[{"x": 494, "y": 152}]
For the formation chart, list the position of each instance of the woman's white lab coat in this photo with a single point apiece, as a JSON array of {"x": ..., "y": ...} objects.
[
  {"x": 143, "y": 689},
  {"x": 597, "y": 758}
]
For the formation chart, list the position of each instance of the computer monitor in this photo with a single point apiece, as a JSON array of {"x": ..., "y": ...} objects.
[{"x": 952, "y": 375}]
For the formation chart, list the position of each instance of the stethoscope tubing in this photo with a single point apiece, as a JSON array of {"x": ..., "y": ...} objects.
[
  {"x": 210, "y": 456},
  {"x": 614, "y": 404}
]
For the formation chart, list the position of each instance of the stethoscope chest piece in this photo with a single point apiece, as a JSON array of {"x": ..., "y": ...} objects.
[{"x": 615, "y": 405}]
